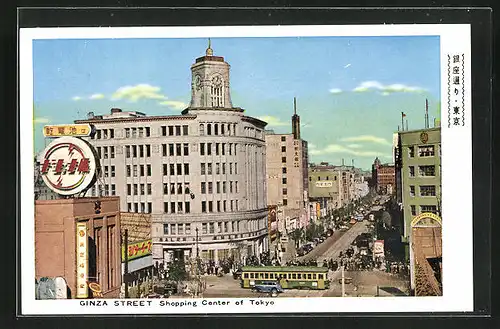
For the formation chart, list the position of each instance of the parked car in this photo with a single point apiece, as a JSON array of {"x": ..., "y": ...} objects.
[
  {"x": 237, "y": 274},
  {"x": 272, "y": 287}
]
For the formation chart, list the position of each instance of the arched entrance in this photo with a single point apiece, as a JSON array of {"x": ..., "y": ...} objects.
[{"x": 427, "y": 252}]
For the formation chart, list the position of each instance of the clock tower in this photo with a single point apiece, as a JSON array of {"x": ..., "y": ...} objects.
[{"x": 210, "y": 82}]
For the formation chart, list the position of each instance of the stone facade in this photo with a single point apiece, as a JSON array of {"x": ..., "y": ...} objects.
[{"x": 201, "y": 173}]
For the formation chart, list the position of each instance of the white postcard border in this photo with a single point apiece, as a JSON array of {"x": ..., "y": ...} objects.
[{"x": 456, "y": 193}]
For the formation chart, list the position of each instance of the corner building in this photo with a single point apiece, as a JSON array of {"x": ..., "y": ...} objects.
[{"x": 200, "y": 174}]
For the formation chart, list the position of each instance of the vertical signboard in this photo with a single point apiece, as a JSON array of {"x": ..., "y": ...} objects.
[{"x": 82, "y": 260}]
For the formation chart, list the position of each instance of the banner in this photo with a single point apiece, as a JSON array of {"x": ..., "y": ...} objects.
[
  {"x": 272, "y": 223},
  {"x": 137, "y": 250},
  {"x": 378, "y": 248},
  {"x": 82, "y": 261}
]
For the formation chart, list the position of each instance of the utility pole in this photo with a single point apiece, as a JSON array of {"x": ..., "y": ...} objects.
[
  {"x": 125, "y": 274},
  {"x": 343, "y": 282}
]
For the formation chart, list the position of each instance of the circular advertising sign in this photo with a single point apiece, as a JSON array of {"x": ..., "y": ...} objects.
[{"x": 68, "y": 165}]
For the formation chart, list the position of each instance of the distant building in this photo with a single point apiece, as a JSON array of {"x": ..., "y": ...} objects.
[
  {"x": 286, "y": 170},
  {"x": 383, "y": 177}
]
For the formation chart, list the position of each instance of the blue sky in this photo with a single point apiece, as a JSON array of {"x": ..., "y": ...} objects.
[{"x": 350, "y": 90}]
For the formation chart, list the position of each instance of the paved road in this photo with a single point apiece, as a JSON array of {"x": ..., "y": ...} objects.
[{"x": 338, "y": 242}]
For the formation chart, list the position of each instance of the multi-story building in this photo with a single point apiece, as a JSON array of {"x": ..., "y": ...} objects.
[
  {"x": 419, "y": 168},
  {"x": 286, "y": 169},
  {"x": 383, "y": 176},
  {"x": 325, "y": 186},
  {"x": 200, "y": 174}
]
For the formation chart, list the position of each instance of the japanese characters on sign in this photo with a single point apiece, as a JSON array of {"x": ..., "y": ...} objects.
[
  {"x": 68, "y": 166},
  {"x": 75, "y": 130},
  {"x": 324, "y": 184},
  {"x": 82, "y": 262},
  {"x": 137, "y": 250},
  {"x": 296, "y": 156},
  {"x": 456, "y": 90},
  {"x": 378, "y": 248}
]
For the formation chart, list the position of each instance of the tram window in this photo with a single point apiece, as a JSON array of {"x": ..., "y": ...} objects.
[
  {"x": 309, "y": 276},
  {"x": 271, "y": 275},
  {"x": 261, "y": 275},
  {"x": 289, "y": 276},
  {"x": 251, "y": 276},
  {"x": 320, "y": 276},
  {"x": 245, "y": 275},
  {"x": 266, "y": 276},
  {"x": 294, "y": 276},
  {"x": 314, "y": 276},
  {"x": 299, "y": 276}
]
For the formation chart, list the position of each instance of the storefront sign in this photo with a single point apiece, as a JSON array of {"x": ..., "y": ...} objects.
[
  {"x": 378, "y": 248},
  {"x": 68, "y": 166},
  {"x": 82, "y": 261},
  {"x": 324, "y": 184},
  {"x": 75, "y": 130},
  {"x": 426, "y": 219},
  {"x": 137, "y": 250}
]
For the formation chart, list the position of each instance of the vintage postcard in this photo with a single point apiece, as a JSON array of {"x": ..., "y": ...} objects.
[{"x": 249, "y": 169}]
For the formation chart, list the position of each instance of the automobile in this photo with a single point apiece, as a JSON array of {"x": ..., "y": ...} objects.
[
  {"x": 307, "y": 248},
  {"x": 329, "y": 232},
  {"x": 272, "y": 287},
  {"x": 237, "y": 274}
]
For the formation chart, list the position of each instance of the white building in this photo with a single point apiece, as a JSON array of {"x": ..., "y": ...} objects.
[{"x": 200, "y": 174}]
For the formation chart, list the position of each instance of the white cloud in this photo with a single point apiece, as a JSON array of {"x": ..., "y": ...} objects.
[
  {"x": 137, "y": 92},
  {"x": 76, "y": 98},
  {"x": 272, "y": 121},
  {"x": 335, "y": 91},
  {"x": 354, "y": 146},
  {"x": 366, "y": 138},
  {"x": 335, "y": 148},
  {"x": 386, "y": 89},
  {"x": 96, "y": 96},
  {"x": 41, "y": 120},
  {"x": 347, "y": 65},
  {"x": 311, "y": 145},
  {"x": 178, "y": 105}
]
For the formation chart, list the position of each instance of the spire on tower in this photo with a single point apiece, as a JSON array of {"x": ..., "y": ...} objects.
[{"x": 209, "y": 51}]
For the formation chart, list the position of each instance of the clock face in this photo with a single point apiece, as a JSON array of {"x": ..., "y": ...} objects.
[{"x": 197, "y": 82}]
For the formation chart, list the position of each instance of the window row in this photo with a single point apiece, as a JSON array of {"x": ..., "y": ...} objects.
[
  {"x": 137, "y": 132},
  {"x": 208, "y": 188},
  {"x": 326, "y": 178},
  {"x": 175, "y": 149},
  {"x": 134, "y": 151},
  {"x": 103, "y": 190},
  {"x": 222, "y": 129},
  {"x": 176, "y": 188},
  {"x": 177, "y": 229},
  {"x": 424, "y": 208},
  {"x": 177, "y": 130},
  {"x": 109, "y": 171},
  {"x": 220, "y": 168},
  {"x": 218, "y": 148},
  {"x": 289, "y": 276},
  {"x": 138, "y": 170},
  {"x": 105, "y": 152},
  {"x": 423, "y": 171},
  {"x": 142, "y": 207},
  {"x": 173, "y": 169},
  {"x": 220, "y": 227},
  {"x": 103, "y": 134},
  {"x": 220, "y": 206},
  {"x": 252, "y": 132},
  {"x": 425, "y": 190},
  {"x": 179, "y": 207},
  {"x": 423, "y": 151},
  {"x": 139, "y": 189}
]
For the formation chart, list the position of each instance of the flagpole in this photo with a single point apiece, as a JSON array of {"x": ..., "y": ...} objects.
[{"x": 402, "y": 121}]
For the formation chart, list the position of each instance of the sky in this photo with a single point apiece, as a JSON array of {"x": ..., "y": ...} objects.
[{"x": 350, "y": 90}]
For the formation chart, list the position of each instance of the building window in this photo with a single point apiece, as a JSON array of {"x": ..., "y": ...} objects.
[
  {"x": 129, "y": 189},
  {"x": 172, "y": 169},
  {"x": 186, "y": 169},
  {"x": 165, "y": 169},
  {"x": 127, "y": 132},
  {"x": 142, "y": 189},
  {"x": 185, "y": 130},
  {"x": 427, "y": 190},
  {"x": 217, "y": 184},
  {"x": 165, "y": 188},
  {"x": 142, "y": 173},
  {"x": 163, "y": 130},
  {"x": 187, "y": 209},
  {"x": 217, "y": 146},
  {"x": 236, "y": 168},
  {"x": 283, "y": 180},
  {"x": 232, "y": 208},
  {"x": 230, "y": 187},
  {"x": 412, "y": 171},
  {"x": 223, "y": 168},
  {"x": 224, "y": 205},
  {"x": 150, "y": 208},
  {"x": 172, "y": 188},
  {"x": 283, "y": 138},
  {"x": 209, "y": 129},
  {"x": 127, "y": 151},
  {"x": 211, "y": 228},
  {"x": 426, "y": 151},
  {"x": 209, "y": 148},
  {"x": 202, "y": 129},
  {"x": 203, "y": 188},
  {"x": 218, "y": 204},
  {"x": 236, "y": 187},
  {"x": 135, "y": 171},
  {"x": 136, "y": 189},
  {"x": 236, "y": 205},
  {"x": 134, "y": 151},
  {"x": 310, "y": 178},
  {"x": 285, "y": 191},
  {"x": 203, "y": 206},
  {"x": 223, "y": 148},
  {"x": 178, "y": 149},
  {"x": 170, "y": 130},
  {"x": 223, "y": 187},
  {"x": 202, "y": 149},
  {"x": 148, "y": 169},
  {"x": 283, "y": 170},
  {"x": 412, "y": 190},
  {"x": 230, "y": 168},
  {"x": 230, "y": 149},
  {"x": 413, "y": 210},
  {"x": 217, "y": 168},
  {"x": 283, "y": 159},
  {"x": 186, "y": 149},
  {"x": 165, "y": 228},
  {"x": 141, "y": 151},
  {"x": 172, "y": 207},
  {"x": 173, "y": 229},
  {"x": 148, "y": 151},
  {"x": 179, "y": 169},
  {"x": 430, "y": 208},
  {"x": 283, "y": 149},
  {"x": 209, "y": 168},
  {"x": 210, "y": 188},
  {"x": 427, "y": 171},
  {"x": 411, "y": 151},
  {"x": 149, "y": 189},
  {"x": 171, "y": 149},
  {"x": 112, "y": 151},
  {"x": 319, "y": 177},
  {"x": 210, "y": 206},
  {"x": 141, "y": 132},
  {"x": 285, "y": 202},
  {"x": 202, "y": 169},
  {"x": 134, "y": 132},
  {"x": 148, "y": 131}
]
